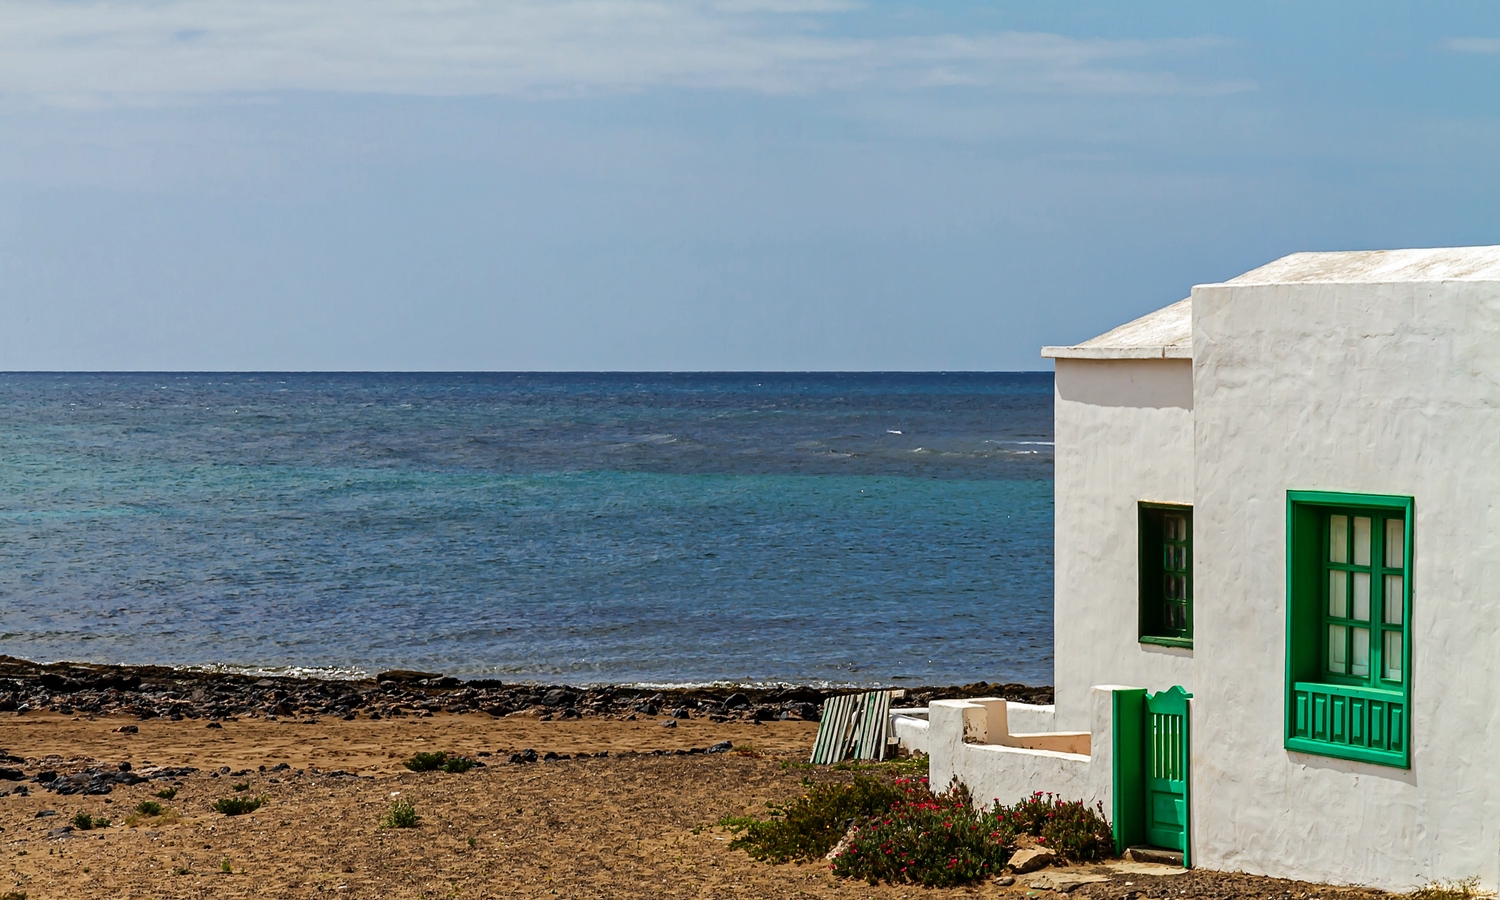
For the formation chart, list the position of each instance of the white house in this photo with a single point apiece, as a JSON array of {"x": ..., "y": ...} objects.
[{"x": 1280, "y": 496}]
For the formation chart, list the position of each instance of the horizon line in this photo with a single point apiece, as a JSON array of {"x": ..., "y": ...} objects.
[{"x": 525, "y": 372}]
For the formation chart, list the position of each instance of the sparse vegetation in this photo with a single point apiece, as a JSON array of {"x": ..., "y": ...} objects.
[
  {"x": 238, "y": 806},
  {"x": 903, "y": 833},
  {"x": 224, "y": 866},
  {"x": 148, "y": 808},
  {"x": 1467, "y": 889},
  {"x": 169, "y": 793},
  {"x": 439, "y": 761},
  {"x": 402, "y": 814},
  {"x": 808, "y": 827},
  {"x": 241, "y": 786}
]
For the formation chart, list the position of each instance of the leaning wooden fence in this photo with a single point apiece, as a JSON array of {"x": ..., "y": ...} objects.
[{"x": 856, "y": 725}]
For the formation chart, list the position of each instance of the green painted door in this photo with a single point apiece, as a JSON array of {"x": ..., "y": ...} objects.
[{"x": 1166, "y": 762}]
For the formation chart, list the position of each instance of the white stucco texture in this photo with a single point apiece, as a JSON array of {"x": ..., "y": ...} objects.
[
  {"x": 1124, "y": 433},
  {"x": 974, "y": 743},
  {"x": 1333, "y": 379}
]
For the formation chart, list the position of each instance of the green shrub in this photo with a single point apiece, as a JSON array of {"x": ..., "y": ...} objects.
[
  {"x": 1066, "y": 826},
  {"x": 932, "y": 841},
  {"x": 439, "y": 760},
  {"x": 426, "y": 762},
  {"x": 241, "y": 786},
  {"x": 238, "y": 806},
  {"x": 167, "y": 793},
  {"x": 148, "y": 808},
  {"x": 402, "y": 814},
  {"x": 85, "y": 822},
  {"x": 808, "y": 827}
]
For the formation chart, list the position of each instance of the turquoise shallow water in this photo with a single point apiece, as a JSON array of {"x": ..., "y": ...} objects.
[{"x": 585, "y": 528}]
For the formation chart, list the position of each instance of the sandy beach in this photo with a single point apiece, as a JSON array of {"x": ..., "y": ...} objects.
[{"x": 639, "y": 822}]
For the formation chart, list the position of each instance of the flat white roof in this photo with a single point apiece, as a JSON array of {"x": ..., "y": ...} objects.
[
  {"x": 1168, "y": 332},
  {"x": 1164, "y": 334},
  {"x": 1379, "y": 267}
]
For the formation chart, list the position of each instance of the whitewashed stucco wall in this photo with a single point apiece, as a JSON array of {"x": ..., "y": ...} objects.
[
  {"x": 1124, "y": 433},
  {"x": 1373, "y": 388}
]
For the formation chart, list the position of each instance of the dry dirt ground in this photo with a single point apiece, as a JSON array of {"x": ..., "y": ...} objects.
[{"x": 619, "y": 826}]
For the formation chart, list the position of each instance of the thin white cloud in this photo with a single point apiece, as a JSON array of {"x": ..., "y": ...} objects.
[
  {"x": 1473, "y": 45},
  {"x": 123, "y": 51}
]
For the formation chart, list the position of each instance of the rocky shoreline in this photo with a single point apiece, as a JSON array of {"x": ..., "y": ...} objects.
[{"x": 149, "y": 692}]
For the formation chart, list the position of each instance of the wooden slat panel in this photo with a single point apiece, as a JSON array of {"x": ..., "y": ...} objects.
[
  {"x": 833, "y": 729},
  {"x": 874, "y": 722}
]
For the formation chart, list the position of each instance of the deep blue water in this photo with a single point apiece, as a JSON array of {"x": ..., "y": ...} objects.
[{"x": 842, "y": 528}]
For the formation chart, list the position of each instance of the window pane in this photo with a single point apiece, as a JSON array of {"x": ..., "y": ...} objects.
[
  {"x": 1359, "y": 660},
  {"x": 1338, "y": 539},
  {"x": 1336, "y": 649},
  {"x": 1361, "y": 540},
  {"x": 1361, "y": 597},
  {"x": 1338, "y": 593},
  {"x": 1395, "y": 543},
  {"x": 1392, "y": 664},
  {"x": 1175, "y": 528},
  {"x": 1393, "y": 600}
]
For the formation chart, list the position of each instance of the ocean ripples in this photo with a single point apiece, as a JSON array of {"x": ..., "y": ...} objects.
[{"x": 672, "y": 529}]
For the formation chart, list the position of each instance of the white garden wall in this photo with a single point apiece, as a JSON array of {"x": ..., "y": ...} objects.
[
  {"x": 976, "y": 743},
  {"x": 1124, "y": 433},
  {"x": 1370, "y": 388}
]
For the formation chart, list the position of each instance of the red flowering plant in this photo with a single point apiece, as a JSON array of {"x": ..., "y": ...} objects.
[
  {"x": 1069, "y": 827},
  {"x": 935, "y": 841}
]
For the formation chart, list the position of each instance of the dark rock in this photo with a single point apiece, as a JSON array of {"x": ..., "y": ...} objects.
[
  {"x": 129, "y": 729},
  {"x": 124, "y": 767},
  {"x": 529, "y": 755},
  {"x": 549, "y": 755},
  {"x": 45, "y": 777},
  {"x": 44, "y": 813},
  {"x": 11, "y": 774},
  {"x": 571, "y": 713},
  {"x": 679, "y": 713},
  {"x": 721, "y": 747},
  {"x": 213, "y": 725},
  {"x": 669, "y": 723},
  {"x": 558, "y": 697},
  {"x": 736, "y": 701},
  {"x": 60, "y": 831}
]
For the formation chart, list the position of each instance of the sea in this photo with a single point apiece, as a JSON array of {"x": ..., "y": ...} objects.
[{"x": 657, "y": 529}]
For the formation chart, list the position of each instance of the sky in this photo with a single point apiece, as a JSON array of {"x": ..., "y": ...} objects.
[{"x": 732, "y": 185}]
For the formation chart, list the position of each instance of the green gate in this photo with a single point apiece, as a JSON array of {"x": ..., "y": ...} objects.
[{"x": 1151, "y": 769}]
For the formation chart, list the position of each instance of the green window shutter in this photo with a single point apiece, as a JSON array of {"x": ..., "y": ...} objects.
[
  {"x": 1166, "y": 574},
  {"x": 1348, "y": 608}
]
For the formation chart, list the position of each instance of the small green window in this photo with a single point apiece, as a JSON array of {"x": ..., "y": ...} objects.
[
  {"x": 1166, "y": 576},
  {"x": 1349, "y": 604}
]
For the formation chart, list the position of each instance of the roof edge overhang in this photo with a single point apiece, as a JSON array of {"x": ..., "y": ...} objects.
[{"x": 1169, "y": 352}]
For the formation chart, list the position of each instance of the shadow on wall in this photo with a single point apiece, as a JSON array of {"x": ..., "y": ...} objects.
[{"x": 1138, "y": 383}]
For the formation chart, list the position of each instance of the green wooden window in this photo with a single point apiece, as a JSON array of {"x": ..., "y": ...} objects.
[
  {"x": 1349, "y": 604},
  {"x": 1166, "y": 574}
]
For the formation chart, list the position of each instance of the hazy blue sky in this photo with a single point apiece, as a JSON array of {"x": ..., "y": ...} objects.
[{"x": 745, "y": 184}]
